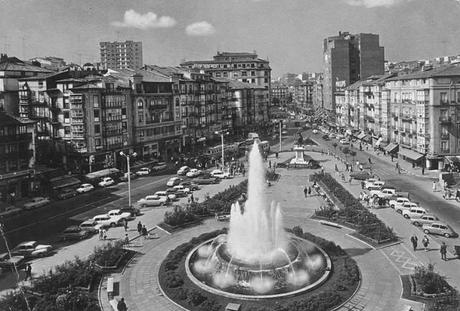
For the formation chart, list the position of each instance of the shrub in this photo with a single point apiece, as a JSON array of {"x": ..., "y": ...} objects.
[
  {"x": 109, "y": 254},
  {"x": 195, "y": 297},
  {"x": 429, "y": 281},
  {"x": 179, "y": 216},
  {"x": 173, "y": 280}
]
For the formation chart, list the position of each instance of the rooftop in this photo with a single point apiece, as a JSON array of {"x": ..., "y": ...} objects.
[
  {"x": 238, "y": 85},
  {"x": 7, "y": 119},
  {"x": 443, "y": 71},
  {"x": 15, "y": 64}
]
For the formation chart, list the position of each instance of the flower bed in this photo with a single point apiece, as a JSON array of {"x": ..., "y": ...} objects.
[
  {"x": 338, "y": 288},
  {"x": 352, "y": 212},
  {"x": 427, "y": 283},
  {"x": 109, "y": 256},
  {"x": 191, "y": 214}
]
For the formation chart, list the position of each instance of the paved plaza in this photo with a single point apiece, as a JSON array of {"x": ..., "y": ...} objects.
[{"x": 380, "y": 289}]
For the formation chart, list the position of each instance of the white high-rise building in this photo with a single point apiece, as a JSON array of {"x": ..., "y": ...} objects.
[{"x": 121, "y": 55}]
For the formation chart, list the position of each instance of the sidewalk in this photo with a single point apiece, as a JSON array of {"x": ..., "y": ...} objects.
[{"x": 450, "y": 268}]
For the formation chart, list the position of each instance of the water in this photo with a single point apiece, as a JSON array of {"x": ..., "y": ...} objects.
[{"x": 257, "y": 234}]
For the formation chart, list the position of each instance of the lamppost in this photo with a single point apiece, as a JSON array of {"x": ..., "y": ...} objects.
[
  {"x": 128, "y": 156},
  {"x": 222, "y": 133}
]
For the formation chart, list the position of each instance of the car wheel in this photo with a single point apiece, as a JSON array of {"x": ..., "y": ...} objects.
[
  {"x": 398, "y": 211},
  {"x": 447, "y": 235},
  {"x": 426, "y": 231},
  {"x": 416, "y": 223},
  {"x": 406, "y": 216},
  {"x": 113, "y": 224},
  {"x": 392, "y": 206}
]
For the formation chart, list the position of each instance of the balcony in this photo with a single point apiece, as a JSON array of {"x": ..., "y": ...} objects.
[
  {"x": 445, "y": 119},
  {"x": 158, "y": 107},
  {"x": 16, "y": 138},
  {"x": 406, "y": 118},
  {"x": 445, "y": 136},
  {"x": 116, "y": 132}
]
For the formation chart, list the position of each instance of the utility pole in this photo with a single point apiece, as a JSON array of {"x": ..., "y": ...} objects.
[{"x": 281, "y": 122}]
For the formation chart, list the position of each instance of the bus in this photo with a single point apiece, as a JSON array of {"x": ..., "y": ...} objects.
[{"x": 94, "y": 177}]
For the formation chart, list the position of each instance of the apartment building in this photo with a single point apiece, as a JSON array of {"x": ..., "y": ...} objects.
[
  {"x": 280, "y": 94},
  {"x": 17, "y": 156},
  {"x": 350, "y": 58},
  {"x": 121, "y": 55}
]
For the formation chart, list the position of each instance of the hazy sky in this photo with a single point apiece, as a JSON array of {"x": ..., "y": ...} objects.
[{"x": 288, "y": 32}]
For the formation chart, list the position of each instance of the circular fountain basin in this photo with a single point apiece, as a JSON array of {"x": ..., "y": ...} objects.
[{"x": 304, "y": 267}]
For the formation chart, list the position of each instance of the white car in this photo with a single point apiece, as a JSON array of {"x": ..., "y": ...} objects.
[
  {"x": 122, "y": 215},
  {"x": 220, "y": 174},
  {"x": 382, "y": 193},
  {"x": 106, "y": 181},
  {"x": 143, "y": 171},
  {"x": 164, "y": 194},
  {"x": 375, "y": 185},
  {"x": 153, "y": 200},
  {"x": 425, "y": 219},
  {"x": 315, "y": 131},
  {"x": 31, "y": 249},
  {"x": 85, "y": 188},
  {"x": 405, "y": 207},
  {"x": 36, "y": 203},
  {"x": 343, "y": 141},
  {"x": 182, "y": 188},
  {"x": 415, "y": 212},
  {"x": 90, "y": 225},
  {"x": 398, "y": 202},
  {"x": 183, "y": 170},
  {"x": 369, "y": 182},
  {"x": 105, "y": 220},
  {"x": 193, "y": 173},
  {"x": 173, "y": 181}
]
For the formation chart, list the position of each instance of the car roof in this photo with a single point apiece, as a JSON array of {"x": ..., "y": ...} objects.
[
  {"x": 114, "y": 210},
  {"x": 152, "y": 196},
  {"x": 101, "y": 215},
  {"x": 88, "y": 221},
  {"x": 160, "y": 192},
  {"x": 85, "y": 185},
  {"x": 27, "y": 243}
]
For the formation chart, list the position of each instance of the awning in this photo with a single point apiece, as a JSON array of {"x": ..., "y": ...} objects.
[
  {"x": 391, "y": 148},
  {"x": 64, "y": 181},
  {"x": 453, "y": 159},
  {"x": 412, "y": 155}
]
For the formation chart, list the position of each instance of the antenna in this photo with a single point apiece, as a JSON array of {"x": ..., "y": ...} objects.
[{"x": 23, "y": 47}]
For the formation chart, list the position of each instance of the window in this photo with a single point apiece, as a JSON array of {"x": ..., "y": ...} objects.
[
  {"x": 67, "y": 130},
  {"x": 96, "y": 115},
  {"x": 244, "y": 73},
  {"x": 140, "y": 117},
  {"x": 140, "y": 104},
  {"x": 97, "y": 142},
  {"x": 458, "y": 97},
  {"x": 266, "y": 80},
  {"x": 97, "y": 129},
  {"x": 253, "y": 73},
  {"x": 96, "y": 101},
  {"x": 443, "y": 97},
  {"x": 66, "y": 117},
  {"x": 444, "y": 146}
]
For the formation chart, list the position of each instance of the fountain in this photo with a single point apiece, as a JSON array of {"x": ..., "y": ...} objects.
[{"x": 257, "y": 258}]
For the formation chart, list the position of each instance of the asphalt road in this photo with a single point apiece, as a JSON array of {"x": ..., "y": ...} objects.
[{"x": 418, "y": 187}]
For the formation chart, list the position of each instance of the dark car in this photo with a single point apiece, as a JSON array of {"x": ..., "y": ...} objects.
[
  {"x": 326, "y": 137},
  {"x": 134, "y": 211},
  {"x": 360, "y": 175},
  {"x": 9, "y": 263},
  {"x": 206, "y": 181},
  {"x": 191, "y": 185},
  {"x": 66, "y": 194},
  {"x": 74, "y": 233}
]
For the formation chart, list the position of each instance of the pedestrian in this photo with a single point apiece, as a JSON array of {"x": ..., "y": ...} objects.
[
  {"x": 269, "y": 164},
  {"x": 104, "y": 233},
  {"x": 305, "y": 191},
  {"x": 28, "y": 272},
  {"x": 309, "y": 190},
  {"x": 425, "y": 243},
  {"x": 322, "y": 170},
  {"x": 276, "y": 154},
  {"x": 361, "y": 167},
  {"x": 349, "y": 179},
  {"x": 336, "y": 168},
  {"x": 192, "y": 198},
  {"x": 423, "y": 170},
  {"x": 369, "y": 159},
  {"x": 101, "y": 234},
  {"x": 139, "y": 228},
  {"x": 121, "y": 306},
  {"x": 362, "y": 184},
  {"x": 391, "y": 155},
  {"x": 144, "y": 232},
  {"x": 414, "y": 241},
  {"x": 126, "y": 239},
  {"x": 125, "y": 224},
  {"x": 13, "y": 197},
  {"x": 443, "y": 251},
  {"x": 396, "y": 166}
]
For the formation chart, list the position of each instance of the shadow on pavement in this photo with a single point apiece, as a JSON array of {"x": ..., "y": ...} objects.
[{"x": 357, "y": 251}]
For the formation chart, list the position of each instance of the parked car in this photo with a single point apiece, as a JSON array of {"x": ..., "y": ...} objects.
[
  {"x": 181, "y": 188},
  {"x": 326, "y": 137},
  {"x": 425, "y": 219},
  {"x": 415, "y": 212},
  {"x": 439, "y": 228},
  {"x": 74, "y": 233},
  {"x": 132, "y": 210},
  {"x": 206, "y": 180},
  {"x": 382, "y": 193},
  {"x": 378, "y": 184},
  {"x": 8, "y": 262},
  {"x": 85, "y": 188},
  {"x": 369, "y": 182},
  {"x": 405, "y": 207},
  {"x": 125, "y": 176},
  {"x": 159, "y": 167},
  {"x": 183, "y": 170},
  {"x": 105, "y": 220},
  {"x": 106, "y": 181},
  {"x": 119, "y": 213},
  {"x": 153, "y": 200},
  {"x": 191, "y": 185},
  {"x": 170, "y": 196},
  {"x": 90, "y": 225},
  {"x": 315, "y": 131},
  {"x": 36, "y": 203},
  {"x": 173, "y": 181},
  {"x": 360, "y": 175},
  {"x": 66, "y": 194},
  {"x": 220, "y": 174},
  {"x": 31, "y": 249},
  {"x": 225, "y": 217},
  {"x": 193, "y": 173},
  {"x": 344, "y": 142},
  {"x": 398, "y": 202},
  {"x": 145, "y": 171}
]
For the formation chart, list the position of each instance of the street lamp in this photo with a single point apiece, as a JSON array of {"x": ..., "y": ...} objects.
[
  {"x": 222, "y": 133},
  {"x": 128, "y": 156}
]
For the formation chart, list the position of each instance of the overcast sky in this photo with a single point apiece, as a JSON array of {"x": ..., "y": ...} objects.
[{"x": 287, "y": 32}]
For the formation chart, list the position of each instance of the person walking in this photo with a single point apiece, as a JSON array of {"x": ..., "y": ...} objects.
[
  {"x": 369, "y": 159},
  {"x": 28, "y": 272},
  {"x": 144, "y": 232},
  {"x": 423, "y": 170},
  {"x": 101, "y": 234},
  {"x": 443, "y": 251},
  {"x": 126, "y": 239},
  {"x": 425, "y": 243},
  {"x": 414, "y": 241},
  {"x": 104, "y": 234},
  {"x": 362, "y": 184},
  {"x": 125, "y": 224},
  {"x": 305, "y": 191},
  {"x": 192, "y": 198},
  {"x": 434, "y": 186},
  {"x": 396, "y": 166},
  {"x": 121, "y": 305},
  {"x": 139, "y": 228},
  {"x": 309, "y": 190}
]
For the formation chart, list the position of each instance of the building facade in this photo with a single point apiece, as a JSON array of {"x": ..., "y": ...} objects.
[
  {"x": 280, "y": 94},
  {"x": 121, "y": 55},
  {"x": 349, "y": 57}
]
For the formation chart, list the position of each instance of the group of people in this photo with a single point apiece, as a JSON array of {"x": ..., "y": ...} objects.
[{"x": 426, "y": 243}]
